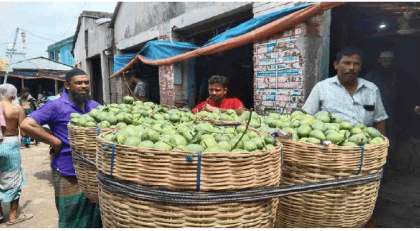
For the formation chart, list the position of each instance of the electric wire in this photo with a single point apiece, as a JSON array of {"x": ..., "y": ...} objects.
[{"x": 80, "y": 11}]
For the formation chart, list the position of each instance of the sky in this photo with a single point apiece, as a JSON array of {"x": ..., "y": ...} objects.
[{"x": 45, "y": 23}]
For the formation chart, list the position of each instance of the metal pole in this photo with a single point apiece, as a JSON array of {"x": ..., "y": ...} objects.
[{"x": 11, "y": 55}]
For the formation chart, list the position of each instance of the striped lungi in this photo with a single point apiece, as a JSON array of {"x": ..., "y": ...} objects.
[
  {"x": 12, "y": 177},
  {"x": 75, "y": 210}
]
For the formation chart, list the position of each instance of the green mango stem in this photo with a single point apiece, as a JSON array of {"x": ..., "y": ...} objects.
[{"x": 246, "y": 128}]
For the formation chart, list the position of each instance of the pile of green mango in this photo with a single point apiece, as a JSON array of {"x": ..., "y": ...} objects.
[
  {"x": 312, "y": 129},
  {"x": 198, "y": 136},
  {"x": 155, "y": 126},
  {"x": 321, "y": 127},
  {"x": 127, "y": 113}
]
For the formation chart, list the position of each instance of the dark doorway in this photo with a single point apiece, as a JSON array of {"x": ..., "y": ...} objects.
[
  {"x": 355, "y": 25},
  {"x": 235, "y": 64},
  {"x": 96, "y": 80},
  {"x": 359, "y": 24}
]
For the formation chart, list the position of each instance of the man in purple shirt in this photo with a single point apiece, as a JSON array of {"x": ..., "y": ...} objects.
[{"x": 74, "y": 209}]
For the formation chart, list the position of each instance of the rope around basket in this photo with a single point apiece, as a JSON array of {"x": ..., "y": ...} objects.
[
  {"x": 81, "y": 159},
  {"x": 239, "y": 196}
]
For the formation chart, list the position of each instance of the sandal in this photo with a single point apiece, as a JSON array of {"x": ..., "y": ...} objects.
[{"x": 22, "y": 217}]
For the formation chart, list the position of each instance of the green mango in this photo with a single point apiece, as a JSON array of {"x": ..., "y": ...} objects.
[
  {"x": 128, "y": 100},
  {"x": 335, "y": 137},
  {"x": 225, "y": 145},
  {"x": 304, "y": 130},
  {"x": 317, "y": 134},
  {"x": 194, "y": 148},
  {"x": 163, "y": 146},
  {"x": 346, "y": 126},
  {"x": 373, "y": 132}
]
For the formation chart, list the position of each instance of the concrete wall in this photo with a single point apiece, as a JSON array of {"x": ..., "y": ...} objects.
[
  {"x": 287, "y": 65},
  {"x": 139, "y": 22},
  {"x": 92, "y": 40}
]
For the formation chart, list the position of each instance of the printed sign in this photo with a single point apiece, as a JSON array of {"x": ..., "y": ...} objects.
[{"x": 289, "y": 72}]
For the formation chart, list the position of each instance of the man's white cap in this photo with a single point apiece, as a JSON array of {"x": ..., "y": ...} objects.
[{"x": 386, "y": 54}]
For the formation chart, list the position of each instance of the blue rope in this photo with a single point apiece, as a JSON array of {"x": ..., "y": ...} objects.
[
  {"x": 361, "y": 158},
  {"x": 99, "y": 131},
  {"x": 198, "y": 171},
  {"x": 191, "y": 159},
  {"x": 112, "y": 158}
]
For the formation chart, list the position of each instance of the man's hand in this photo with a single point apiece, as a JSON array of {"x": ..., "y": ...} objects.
[
  {"x": 56, "y": 146},
  {"x": 209, "y": 108}
]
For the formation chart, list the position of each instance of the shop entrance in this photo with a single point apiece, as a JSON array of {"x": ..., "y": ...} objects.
[
  {"x": 377, "y": 27},
  {"x": 234, "y": 64}
]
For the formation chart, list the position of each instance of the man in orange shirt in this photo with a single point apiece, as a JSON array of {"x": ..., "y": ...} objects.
[{"x": 217, "y": 99}]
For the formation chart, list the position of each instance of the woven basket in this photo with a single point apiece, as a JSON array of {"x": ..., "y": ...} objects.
[
  {"x": 344, "y": 207},
  {"x": 170, "y": 170},
  {"x": 83, "y": 143}
]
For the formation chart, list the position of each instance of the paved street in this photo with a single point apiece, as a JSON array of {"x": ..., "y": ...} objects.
[{"x": 38, "y": 196}]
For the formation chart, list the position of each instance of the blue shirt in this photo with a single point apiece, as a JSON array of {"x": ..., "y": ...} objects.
[
  {"x": 364, "y": 107},
  {"x": 56, "y": 113}
]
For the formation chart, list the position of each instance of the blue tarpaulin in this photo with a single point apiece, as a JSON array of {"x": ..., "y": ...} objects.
[
  {"x": 121, "y": 60},
  {"x": 162, "y": 49}
]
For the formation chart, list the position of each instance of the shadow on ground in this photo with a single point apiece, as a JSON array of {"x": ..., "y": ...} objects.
[
  {"x": 398, "y": 203},
  {"x": 44, "y": 175}
]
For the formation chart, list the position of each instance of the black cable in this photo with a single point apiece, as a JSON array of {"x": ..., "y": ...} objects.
[{"x": 160, "y": 195}]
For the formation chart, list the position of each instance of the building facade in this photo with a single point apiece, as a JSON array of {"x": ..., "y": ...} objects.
[{"x": 61, "y": 51}]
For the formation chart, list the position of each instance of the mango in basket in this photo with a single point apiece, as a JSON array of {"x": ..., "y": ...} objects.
[
  {"x": 132, "y": 141},
  {"x": 225, "y": 145},
  {"x": 304, "y": 130},
  {"x": 194, "y": 148},
  {"x": 317, "y": 134},
  {"x": 240, "y": 145},
  {"x": 346, "y": 126},
  {"x": 373, "y": 132},
  {"x": 348, "y": 143},
  {"x": 269, "y": 146},
  {"x": 90, "y": 124},
  {"x": 328, "y": 132},
  {"x": 269, "y": 140},
  {"x": 128, "y": 100},
  {"x": 376, "y": 140},
  {"x": 336, "y": 137},
  {"x": 74, "y": 121},
  {"x": 355, "y": 130},
  {"x": 163, "y": 146},
  {"x": 360, "y": 139},
  {"x": 178, "y": 140},
  {"x": 94, "y": 113},
  {"x": 74, "y": 115},
  {"x": 319, "y": 126},
  {"x": 214, "y": 149},
  {"x": 250, "y": 146},
  {"x": 312, "y": 140}
]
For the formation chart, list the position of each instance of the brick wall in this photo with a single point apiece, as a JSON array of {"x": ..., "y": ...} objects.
[
  {"x": 169, "y": 93},
  {"x": 278, "y": 72},
  {"x": 284, "y": 62}
]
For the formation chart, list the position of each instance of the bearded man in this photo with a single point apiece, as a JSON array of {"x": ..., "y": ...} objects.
[{"x": 74, "y": 209}]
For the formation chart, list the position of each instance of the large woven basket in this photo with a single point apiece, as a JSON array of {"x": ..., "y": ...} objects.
[
  {"x": 343, "y": 207},
  {"x": 83, "y": 144},
  {"x": 171, "y": 171}
]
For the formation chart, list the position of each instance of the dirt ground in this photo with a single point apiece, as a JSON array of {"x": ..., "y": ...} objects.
[
  {"x": 398, "y": 203},
  {"x": 38, "y": 195}
]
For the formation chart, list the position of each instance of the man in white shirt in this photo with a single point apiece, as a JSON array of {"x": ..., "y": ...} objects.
[{"x": 346, "y": 96}]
